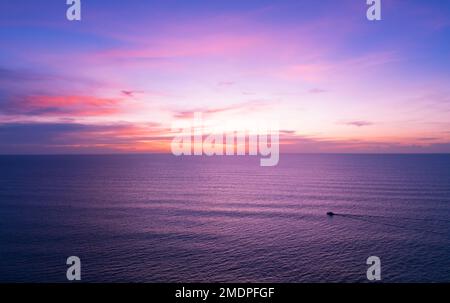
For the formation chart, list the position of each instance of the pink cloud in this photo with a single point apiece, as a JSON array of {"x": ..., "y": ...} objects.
[
  {"x": 240, "y": 108},
  {"x": 313, "y": 72},
  {"x": 359, "y": 123},
  {"x": 187, "y": 47},
  {"x": 63, "y": 106}
]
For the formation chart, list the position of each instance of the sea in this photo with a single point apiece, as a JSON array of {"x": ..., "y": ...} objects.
[{"x": 161, "y": 218}]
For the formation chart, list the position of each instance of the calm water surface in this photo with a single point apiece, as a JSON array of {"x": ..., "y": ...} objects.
[{"x": 158, "y": 218}]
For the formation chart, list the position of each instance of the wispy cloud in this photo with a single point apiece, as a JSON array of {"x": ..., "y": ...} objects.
[
  {"x": 76, "y": 137},
  {"x": 226, "y": 83},
  {"x": 317, "y": 91},
  {"x": 61, "y": 106},
  {"x": 240, "y": 108},
  {"x": 359, "y": 123},
  {"x": 13, "y": 75},
  {"x": 346, "y": 67}
]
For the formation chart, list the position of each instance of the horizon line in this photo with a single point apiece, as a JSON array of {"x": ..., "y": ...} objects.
[{"x": 281, "y": 153}]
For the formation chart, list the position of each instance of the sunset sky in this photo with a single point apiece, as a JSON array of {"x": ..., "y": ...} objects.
[{"x": 118, "y": 79}]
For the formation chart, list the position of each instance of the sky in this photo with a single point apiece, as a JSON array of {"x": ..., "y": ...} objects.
[{"x": 117, "y": 80}]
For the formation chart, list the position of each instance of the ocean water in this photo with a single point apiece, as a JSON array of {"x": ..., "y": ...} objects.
[{"x": 159, "y": 218}]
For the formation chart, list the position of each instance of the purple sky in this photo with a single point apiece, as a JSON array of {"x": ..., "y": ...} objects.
[{"x": 118, "y": 79}]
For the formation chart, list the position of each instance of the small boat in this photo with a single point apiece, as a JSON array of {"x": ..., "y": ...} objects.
[{"x": 330, "y": 214}]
